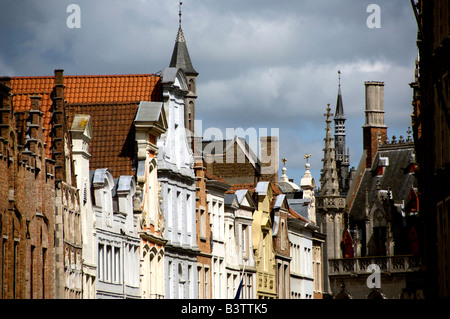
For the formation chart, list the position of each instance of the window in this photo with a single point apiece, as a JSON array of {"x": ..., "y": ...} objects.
[
  {"x": 189, "y": 213},
  {"x": 179, "y": 212},
  {"x": 199, "y": 282},
  {"x": 16, "y": 246},
  {"x": 190, "y": 283},
  {"x": 283, "y": 241},
  {"x": 286, "y": 280},
  {"x": 44, "y": 257},
  {"x": 31, "y": 270},
  {"x": 169, "y": 291},
  {"x": 101, "y": 262},
  {"x": 169, "y": 208},
  {"x": 207, "y": 290},
  {"x": 221, "y": 221},
  {"x": 180, "y": 282},
  {"x": 116, "y": 278},
  {"x": 245, "y": 244},
  {"x": 249, "y": 285},
  {"x": 108, "y": 263},
  {"x": 230, "y": 234},
  {"x": 264, "y": 252},
  {"x": 202, "y": 224}
]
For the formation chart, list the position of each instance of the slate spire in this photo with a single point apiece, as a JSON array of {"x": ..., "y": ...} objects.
[
  {"x": 339, "y": 114},
  {"x": 180, "y": 55},
  {"x": 342, "y": 153}
]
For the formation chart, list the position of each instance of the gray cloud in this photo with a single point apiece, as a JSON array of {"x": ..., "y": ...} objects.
[{"x": 269, "y": 64}]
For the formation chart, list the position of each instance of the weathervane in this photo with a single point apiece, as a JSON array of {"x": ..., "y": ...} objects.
[{"x": 307, "y": 156}]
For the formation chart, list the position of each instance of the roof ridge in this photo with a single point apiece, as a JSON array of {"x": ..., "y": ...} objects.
[{"x": 23, "y": 77}]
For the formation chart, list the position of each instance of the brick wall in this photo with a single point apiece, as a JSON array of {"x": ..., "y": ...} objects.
[{"x": 371, "y": 140}]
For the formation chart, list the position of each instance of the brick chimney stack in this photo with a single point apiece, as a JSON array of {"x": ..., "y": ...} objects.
[
  {"x": 269, "y": 158},
  {"x": 374, "y": 129},
  {"x": 5, "y": 107},
  {"x": 58, "y": 119},
  {"x": 34, "y": 123}
]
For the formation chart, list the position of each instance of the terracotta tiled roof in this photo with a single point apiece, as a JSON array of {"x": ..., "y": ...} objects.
[
  {"x": 116, "y": 98},
  {"x": 249, "y": 186},
  {"x": 214, "y": 177},
  {"x": 112, "y": 145},
  {"x": 293, "y": 214}
]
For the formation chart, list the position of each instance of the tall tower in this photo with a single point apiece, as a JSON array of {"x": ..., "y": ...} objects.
[
  {"x": 374, "y": 129},
  {"x": 181, "y": 59},
  {"x": 342, "y": 154},
  {"x": 330, "y": 204}
]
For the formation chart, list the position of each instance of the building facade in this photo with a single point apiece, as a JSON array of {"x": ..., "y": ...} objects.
[
  {"x": 117, "y": 236},
  {"x": 281, "y": 244},
  {"x": 216, "y": 189},
  {"x": 266, "y": 279},
  {"x": 379, "y": 227},
  {"x": 27, "y": 200},
  {"x": 330, "y": 205},
  {"x": 150, "y": 122},
  {"x": 431, "y": 130},
  {"x": 239, "y": 257},
  {"x": 177, "y": 179}
]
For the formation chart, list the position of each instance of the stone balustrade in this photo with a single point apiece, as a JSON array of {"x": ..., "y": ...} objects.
[{"x": 390, "y": 264}]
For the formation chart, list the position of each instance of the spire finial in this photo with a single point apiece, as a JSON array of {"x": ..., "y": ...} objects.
[
  {"x": 339, "y": 73},
  {"x": 179, "y": 12},
  {"x": 284, "y": 161}
]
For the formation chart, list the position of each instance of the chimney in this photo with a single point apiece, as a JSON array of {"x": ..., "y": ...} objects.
[
  {"x": 5, "y": 106},
  {"x": 34, "y": 122},
  {"x": 58, "y": 121},
  {"x": 374, "y": 129},
  {"x": 269, "y": 158}
]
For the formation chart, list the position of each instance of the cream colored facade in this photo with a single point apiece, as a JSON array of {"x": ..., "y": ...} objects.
[
  {"x": 150, "y": 122},
  {"x": 263, "y": 244},
  {"x": 81, "y": 132}
]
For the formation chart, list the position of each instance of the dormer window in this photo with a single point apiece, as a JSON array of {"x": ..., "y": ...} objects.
[{"x": 383, "y": 162}]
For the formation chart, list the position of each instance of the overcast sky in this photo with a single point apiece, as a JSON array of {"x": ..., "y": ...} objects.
[{"x": 262, "y": 64}]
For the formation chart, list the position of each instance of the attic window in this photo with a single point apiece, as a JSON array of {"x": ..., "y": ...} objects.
[{"x": 382, "y": 163}]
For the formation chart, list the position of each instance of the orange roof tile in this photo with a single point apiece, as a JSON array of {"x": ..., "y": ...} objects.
[
  {"x": 293, "y": 214},
  {"x": 249, "y": 186},
  {"x": 214, "y": 177},
  {"x": 112, "y": 145},
  {"x": 84, "y": 89}
]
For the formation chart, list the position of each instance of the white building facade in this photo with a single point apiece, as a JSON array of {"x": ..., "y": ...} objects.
[
  {"x": 301, "y": 275},
  {"x": 177, "y": 181},
  {"x": 240, "y": 261},
  {"x": 117, "y": 236},
  {"x": 81, "y": 133}
]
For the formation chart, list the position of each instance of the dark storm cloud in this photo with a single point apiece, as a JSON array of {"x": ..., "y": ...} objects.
[{"x": 269, "y": 64}]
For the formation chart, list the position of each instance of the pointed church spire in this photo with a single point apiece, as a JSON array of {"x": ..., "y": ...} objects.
[
  {"x": 342, "y": 154},
  {"x": 180, "y": 55},
  {"x": 329, "y": 179},
  {"x": 339, "y": 114}
]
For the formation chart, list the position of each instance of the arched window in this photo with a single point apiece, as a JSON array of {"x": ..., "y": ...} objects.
[
  {"x": 379, "y": 233},
  {"x": 347, "y": 245}
]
